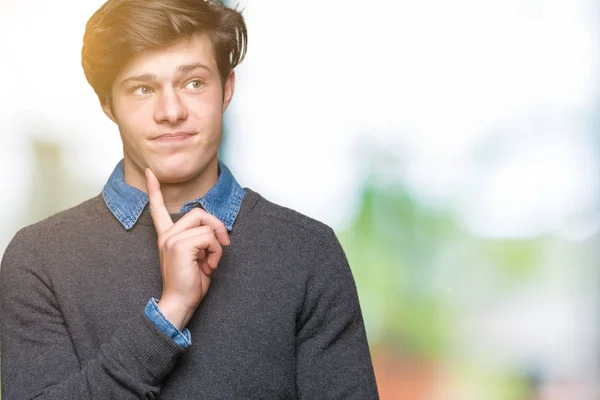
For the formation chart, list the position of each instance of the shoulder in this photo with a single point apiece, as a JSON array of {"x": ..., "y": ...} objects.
[
  {"x": 280, "y": 218},
  {"x": 309, "y": 246},
  {"x": 53, "y": 227}
]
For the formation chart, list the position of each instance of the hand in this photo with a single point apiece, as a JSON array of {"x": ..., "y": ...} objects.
[{"x": 189, "y": 251}]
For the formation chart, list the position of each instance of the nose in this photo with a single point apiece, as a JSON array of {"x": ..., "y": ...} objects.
[{"x": 170, "y": 108}]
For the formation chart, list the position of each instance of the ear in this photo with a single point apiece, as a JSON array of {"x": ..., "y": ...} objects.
[
  {"x": 228, "y": 89},
  {"x": 107, "y": 108}
]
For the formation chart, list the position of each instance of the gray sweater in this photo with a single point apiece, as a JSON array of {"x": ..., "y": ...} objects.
[{"x": 281, "y": 319}]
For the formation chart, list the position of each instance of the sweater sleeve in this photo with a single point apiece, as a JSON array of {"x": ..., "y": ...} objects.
[
  {"x": 333, "y": 359},
  {"x": 38, "y": 357}
]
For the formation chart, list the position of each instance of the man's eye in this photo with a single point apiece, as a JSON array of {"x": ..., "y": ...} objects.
[
  {"x": 141, "y": 90},
  {"x": 195, "y": 84}
]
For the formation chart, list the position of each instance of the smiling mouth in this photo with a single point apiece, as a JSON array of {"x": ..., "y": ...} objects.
[{"x": 173, "y": 137}]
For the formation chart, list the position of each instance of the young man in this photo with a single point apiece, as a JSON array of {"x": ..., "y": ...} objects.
[{"x": 175, "y": 282}]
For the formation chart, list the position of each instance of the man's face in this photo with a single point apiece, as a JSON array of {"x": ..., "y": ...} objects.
[{"x": 169, "y": 106}]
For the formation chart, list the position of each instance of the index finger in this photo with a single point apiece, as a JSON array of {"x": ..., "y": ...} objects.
[{"x": 158, "y": 211}]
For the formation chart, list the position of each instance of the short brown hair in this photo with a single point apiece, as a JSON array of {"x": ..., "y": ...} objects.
[{"x": 122, "y": 28}]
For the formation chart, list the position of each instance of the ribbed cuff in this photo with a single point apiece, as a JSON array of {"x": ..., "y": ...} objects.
[{"x": 140, "y": 343}]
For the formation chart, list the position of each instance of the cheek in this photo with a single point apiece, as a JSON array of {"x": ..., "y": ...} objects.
[
  {"x": 208, "y": 113},
  {"x": 212, "y": 101},
  {"x": 133, "y": 121}
]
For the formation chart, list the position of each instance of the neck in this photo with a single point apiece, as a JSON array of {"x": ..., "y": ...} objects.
[{"x": 176, "y": 195}]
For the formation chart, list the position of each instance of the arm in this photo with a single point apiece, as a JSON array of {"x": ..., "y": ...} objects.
[
  {"x": 333, "y": 359},
  {"x": 38, "y": 358}
]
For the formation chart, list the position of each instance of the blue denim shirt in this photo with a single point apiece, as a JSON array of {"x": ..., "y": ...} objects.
[{"x": 127, "y": 203}]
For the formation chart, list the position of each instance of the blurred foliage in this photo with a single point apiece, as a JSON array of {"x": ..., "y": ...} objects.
[
  {"x": 415, "y": 267},
  {"x": 391, "y": 248}
]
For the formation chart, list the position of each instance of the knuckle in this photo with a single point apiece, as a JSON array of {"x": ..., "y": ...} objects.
[
  {"x": 177, "y": 245},
  {"x": 196, "y": 211},
  {"x": 205, "y": 229},
  {"x": 170, "y": 243}
]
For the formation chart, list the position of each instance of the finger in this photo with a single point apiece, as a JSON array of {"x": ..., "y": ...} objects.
[
  {"x": 199, "y": 217},
  {"x": 213, "y": 254},
  {"x": 160, "y": 216},
  {"x": 203, "y": 263},
  {"x": 206, "y": 269},
  {"x": 205, "y": 279},
  {"x": 199, "y": 230},
  {"x": 208, "y": 243}
]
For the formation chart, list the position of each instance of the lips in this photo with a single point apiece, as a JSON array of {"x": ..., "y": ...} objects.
[{"x": 173, "y": 137}]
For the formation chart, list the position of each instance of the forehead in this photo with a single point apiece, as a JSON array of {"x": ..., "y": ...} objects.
[{"x": 165, "y": 61}]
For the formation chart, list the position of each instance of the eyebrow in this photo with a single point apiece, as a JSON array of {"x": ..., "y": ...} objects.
[
  {"x": 191, "y": 67},
  {"x": 152, "y": 77},
  {"x": 139, "y": 78}
]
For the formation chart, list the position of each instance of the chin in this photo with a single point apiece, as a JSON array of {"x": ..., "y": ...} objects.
[
  {"x": 176, "y": 175},
  {"x": 179, "y": 168},
  {"x": 178, "y": 171}
]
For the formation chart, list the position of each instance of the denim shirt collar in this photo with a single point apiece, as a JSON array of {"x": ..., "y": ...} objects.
[{"x": 127, "y": 203}]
